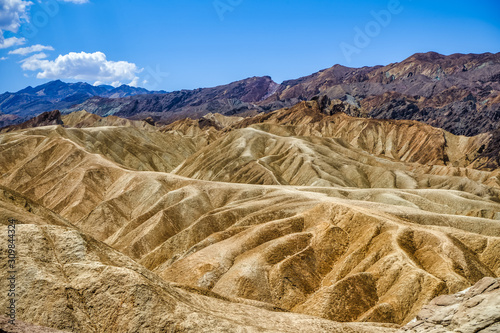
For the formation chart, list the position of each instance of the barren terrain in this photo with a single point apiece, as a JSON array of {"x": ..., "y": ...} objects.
[{"x": 304, "y": 219}]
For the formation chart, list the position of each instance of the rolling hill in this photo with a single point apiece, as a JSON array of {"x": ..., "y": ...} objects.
[{"x": 304, "y": 219}]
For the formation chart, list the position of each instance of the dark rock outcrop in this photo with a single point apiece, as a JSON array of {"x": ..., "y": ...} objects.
[{"x": 45, "y": 119}]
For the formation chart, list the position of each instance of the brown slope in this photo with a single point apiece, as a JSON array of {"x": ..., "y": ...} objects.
[
  {"x": 407, "y": 141},
  {"x": 304, "y": 146},
  {"x": 432, "y": 64},
  {"x": 309, "y": 86},
  {"x": 130, "y": 147},
  {"x": 82, "y": 285},
  {"x": 83, "y": 119},
  {"x": 312, "y": 242},
  {"x": 208, "y": 126},
  {"x": 491, "y": 153},
  {"x": 458, "y": 93}
]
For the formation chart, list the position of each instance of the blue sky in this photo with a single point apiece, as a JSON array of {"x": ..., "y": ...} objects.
[{"x": 186, "y": 44}]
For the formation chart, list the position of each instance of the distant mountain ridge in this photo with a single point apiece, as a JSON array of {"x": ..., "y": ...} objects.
[
  {"x": 459, "y": 93},
  {"x": 31, "y": 101},
  {"x": 237, "y": 98}
]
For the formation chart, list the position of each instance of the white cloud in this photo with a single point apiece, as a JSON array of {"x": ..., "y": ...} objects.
[
  {"x": 9, "y": 42},
  {"x": 83, "y": 66},
  {"x": 31, "y": 49},
  {"x": 3, "y": 58},
  {"x": 37, "y": 56},
  {"x": 12, "y": 13},
  {"x": 134, "y": 82}
]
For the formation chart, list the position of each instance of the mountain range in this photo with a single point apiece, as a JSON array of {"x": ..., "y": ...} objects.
[
  {"x": 459, "y": 93},
  {"x": 29, "y": 102}
]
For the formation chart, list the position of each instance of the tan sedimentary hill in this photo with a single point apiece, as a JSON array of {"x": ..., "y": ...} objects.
[
  {"x": 69, "y": 281},
  {"x": 130, "y": 147},
  {"x": 206, "y": 129},
  {"x": 476, "y": 309},
  {"x": 301, "y": 210},
  {"x": 302, "y": 146},
  {"x": 401, "y": 140},
  {"x": 77, "y": 119},
  {"x": 222, "y": 121},
  {"x": 333, "y": 260},
  {"x": 84, "y": 119},
  {"x": 345, "y": 253}
]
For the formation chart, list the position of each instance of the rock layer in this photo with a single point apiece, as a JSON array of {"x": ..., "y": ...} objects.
[{"x": 476, "y": 309}]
